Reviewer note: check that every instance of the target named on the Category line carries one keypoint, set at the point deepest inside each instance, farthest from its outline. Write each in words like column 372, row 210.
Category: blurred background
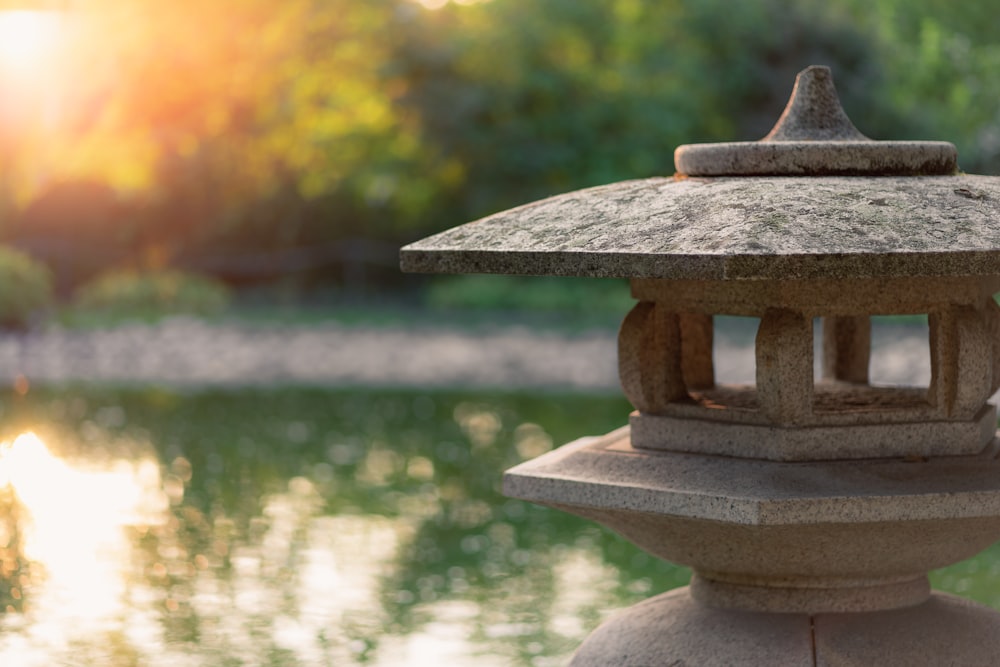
column 235, row 433
column 292, row 147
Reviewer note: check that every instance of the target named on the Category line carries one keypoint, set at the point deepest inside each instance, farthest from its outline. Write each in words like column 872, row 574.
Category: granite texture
column 649, row 358
column 787, row 414
column 813, row 443
column 780, row 228
column 672, row 630
column 847, row 348
column 815, row 137
column 608, row 473
column 944, row 631
column 961, row 361
column 784, row 353
column 817, row 158
column 813, row 112
column 890, row 593
column 850, row 297
column 857, row 528
column 697, row 364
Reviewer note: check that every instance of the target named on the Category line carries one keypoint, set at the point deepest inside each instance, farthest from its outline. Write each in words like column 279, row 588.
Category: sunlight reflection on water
column 71, row 543
column 69, row 523
column 306, row 528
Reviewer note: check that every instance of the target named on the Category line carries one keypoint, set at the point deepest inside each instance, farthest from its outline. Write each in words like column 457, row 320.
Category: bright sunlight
column 28, row 40
column 71, row 522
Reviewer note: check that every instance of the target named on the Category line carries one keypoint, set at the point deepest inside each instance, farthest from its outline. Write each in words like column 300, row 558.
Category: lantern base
column 675, row 629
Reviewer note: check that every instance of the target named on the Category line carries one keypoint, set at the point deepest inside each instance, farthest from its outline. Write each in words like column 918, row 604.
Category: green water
column 309, row 527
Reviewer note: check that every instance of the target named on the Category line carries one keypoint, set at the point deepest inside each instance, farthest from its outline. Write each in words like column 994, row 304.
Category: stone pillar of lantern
column 809, row 510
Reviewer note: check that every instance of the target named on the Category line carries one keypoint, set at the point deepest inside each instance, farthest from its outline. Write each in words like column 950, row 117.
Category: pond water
column 307, row 527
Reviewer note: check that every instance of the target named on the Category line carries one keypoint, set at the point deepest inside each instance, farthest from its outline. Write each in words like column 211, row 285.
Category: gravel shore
column 190, row 353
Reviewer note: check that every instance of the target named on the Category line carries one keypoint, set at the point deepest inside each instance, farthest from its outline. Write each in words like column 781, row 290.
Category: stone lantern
column 809, row 509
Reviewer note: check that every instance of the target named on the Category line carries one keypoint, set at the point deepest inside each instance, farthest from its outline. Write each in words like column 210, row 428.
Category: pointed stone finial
column 813, row 112
column 814, row 137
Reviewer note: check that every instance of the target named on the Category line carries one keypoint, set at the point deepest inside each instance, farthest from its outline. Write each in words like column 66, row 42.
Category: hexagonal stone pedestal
column 672, row 630
column 791, row 559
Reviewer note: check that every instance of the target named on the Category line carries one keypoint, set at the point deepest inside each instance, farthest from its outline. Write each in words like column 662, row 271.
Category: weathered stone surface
column 817, row 297
column 785, row 367
column 945, row 630
column 815, row 158
column 782, row 228
column 769, row 596
column 787, row 415
column 815, row 137
column 892, row 439
column 859, row 531
column 649, row 358
column 961, row 361
column 607, row 472
column 671, row 630
column 813, row 112
column 697, row 366
column 992, row 315
column 834, row 404
column 847, row 348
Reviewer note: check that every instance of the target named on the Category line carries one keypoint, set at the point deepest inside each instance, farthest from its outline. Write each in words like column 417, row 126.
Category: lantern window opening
column 733, row 349
column 859, row 364
column 718, row 361
column 862, row 363
column 897, row 341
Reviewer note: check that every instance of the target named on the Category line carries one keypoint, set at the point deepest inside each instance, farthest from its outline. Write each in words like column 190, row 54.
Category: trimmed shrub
column 151, row 295
column 25, row 288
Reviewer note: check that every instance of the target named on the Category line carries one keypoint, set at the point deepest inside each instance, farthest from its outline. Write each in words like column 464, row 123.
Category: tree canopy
column 256, row 124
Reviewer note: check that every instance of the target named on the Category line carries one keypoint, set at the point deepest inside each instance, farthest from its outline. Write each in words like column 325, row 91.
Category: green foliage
column 151, row 295
column 25, row 288
column 533, row 99
column 306, row 122
column 942, row 61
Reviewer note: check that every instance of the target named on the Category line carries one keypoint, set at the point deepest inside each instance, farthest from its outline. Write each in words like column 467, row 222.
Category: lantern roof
column 814, row 199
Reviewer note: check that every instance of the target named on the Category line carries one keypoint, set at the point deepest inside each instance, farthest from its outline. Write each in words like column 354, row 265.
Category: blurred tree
column 533, row 98
column 745, row 56
column 941, row 61
column 256, row 126
column 76, row 227
column 223, row 118
column 238, row 104
column 527, row 99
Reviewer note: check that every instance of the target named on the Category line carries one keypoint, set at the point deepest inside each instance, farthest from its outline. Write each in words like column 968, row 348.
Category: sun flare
column 28, row 39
